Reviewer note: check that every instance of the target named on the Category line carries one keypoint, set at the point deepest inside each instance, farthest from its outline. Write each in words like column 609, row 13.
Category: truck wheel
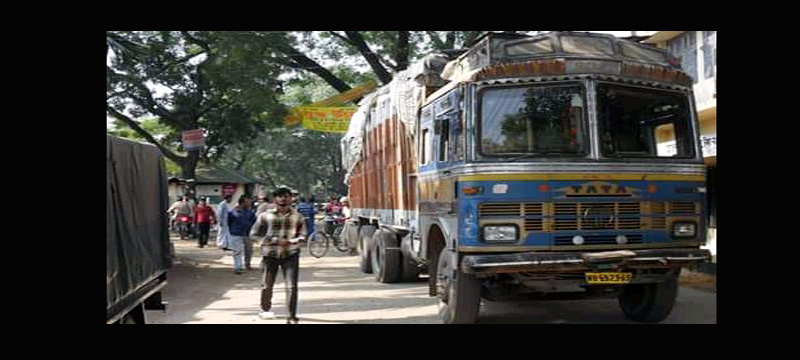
column 649, row 302
column 409, row 269
column 458, row 293
column 365, row 248
column 385, row 257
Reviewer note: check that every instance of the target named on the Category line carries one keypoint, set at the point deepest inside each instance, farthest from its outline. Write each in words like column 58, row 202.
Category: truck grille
column 597, row 216
column 576, row 216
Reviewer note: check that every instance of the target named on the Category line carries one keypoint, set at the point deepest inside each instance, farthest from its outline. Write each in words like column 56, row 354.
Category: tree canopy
column 237, row 85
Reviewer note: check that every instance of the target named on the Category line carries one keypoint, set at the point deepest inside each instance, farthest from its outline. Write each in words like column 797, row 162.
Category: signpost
column 193, row 139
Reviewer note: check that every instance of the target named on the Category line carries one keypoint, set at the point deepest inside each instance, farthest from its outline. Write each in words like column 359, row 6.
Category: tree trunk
column 301, row 61
column 384, row 76
column 401, row 50
column 188, row 168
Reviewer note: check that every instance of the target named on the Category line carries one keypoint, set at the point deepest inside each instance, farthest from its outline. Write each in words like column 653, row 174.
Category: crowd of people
column 279, row 224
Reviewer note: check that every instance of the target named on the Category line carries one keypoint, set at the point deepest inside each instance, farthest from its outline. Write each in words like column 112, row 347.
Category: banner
column 296, row 117
column 326, row 119
column 193, row 139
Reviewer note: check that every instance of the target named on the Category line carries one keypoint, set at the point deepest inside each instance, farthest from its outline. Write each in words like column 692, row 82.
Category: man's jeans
column 236, row 244
column 290, row 267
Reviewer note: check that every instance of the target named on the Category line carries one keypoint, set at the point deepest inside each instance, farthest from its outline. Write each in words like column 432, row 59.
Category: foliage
column 238, row 85
column 218, row 81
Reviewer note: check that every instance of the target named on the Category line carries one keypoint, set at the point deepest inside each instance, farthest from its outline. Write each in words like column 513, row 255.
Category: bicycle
column 320, row 241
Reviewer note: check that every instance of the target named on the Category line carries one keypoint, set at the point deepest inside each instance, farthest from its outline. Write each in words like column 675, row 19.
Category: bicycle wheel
column 318, row 246
column 338, row 241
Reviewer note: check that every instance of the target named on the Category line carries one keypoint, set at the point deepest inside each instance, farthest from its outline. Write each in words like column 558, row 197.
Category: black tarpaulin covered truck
column 137, row 233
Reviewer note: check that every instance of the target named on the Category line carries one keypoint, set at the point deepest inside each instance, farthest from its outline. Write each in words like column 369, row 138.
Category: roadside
column 701, row 276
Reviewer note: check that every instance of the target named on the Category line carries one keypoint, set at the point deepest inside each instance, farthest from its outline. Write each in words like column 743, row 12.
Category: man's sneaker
column 292, row 320
column 237, row 271
column 266, row 315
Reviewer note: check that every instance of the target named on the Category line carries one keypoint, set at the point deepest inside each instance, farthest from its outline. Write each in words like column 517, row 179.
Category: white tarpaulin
column 406, row 91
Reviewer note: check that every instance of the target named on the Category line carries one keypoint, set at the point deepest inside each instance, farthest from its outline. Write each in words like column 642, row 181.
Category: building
column 213, row 182
column 697, row 52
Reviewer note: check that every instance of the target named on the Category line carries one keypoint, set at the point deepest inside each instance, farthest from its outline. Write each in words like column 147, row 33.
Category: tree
column 305, row 160
column 217, row 81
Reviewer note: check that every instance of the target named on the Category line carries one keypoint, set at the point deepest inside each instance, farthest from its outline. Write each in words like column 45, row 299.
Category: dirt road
column 202, row 289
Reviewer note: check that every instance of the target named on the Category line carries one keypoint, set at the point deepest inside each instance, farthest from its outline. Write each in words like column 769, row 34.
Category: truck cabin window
column 537, row 120
column 645, row 123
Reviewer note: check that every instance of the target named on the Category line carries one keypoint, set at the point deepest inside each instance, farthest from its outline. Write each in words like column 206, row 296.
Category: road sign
column 193, row 139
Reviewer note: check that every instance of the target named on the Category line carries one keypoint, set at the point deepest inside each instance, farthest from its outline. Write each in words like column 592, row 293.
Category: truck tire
column 365, row 248
column 386, row 257
column 458, row 293
column 410, row 270
column 649, row 302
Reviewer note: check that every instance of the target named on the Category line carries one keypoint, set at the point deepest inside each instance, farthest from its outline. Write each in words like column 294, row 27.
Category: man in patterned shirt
column 281, row 230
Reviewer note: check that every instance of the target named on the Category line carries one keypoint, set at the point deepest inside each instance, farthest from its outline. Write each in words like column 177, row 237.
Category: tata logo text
column 598, row 188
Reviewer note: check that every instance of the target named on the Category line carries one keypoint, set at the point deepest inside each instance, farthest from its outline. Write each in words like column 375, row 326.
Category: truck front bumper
column 548, row 262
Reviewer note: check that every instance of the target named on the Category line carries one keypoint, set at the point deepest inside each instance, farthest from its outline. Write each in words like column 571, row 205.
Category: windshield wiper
column 540, row 153
column 525, row 156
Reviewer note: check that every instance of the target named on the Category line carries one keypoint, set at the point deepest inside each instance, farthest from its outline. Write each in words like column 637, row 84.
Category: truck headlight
column 684, row 229
column 500, row 233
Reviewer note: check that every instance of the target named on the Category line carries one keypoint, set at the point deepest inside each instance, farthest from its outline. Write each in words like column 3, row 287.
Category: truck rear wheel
column 649, row 302
column 458, row 293
column 385, row 257
column 365, row 248
column 410, row 270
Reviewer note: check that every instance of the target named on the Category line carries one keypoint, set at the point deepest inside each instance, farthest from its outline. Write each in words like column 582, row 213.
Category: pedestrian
column 240, row 219
column 281, row 230
column 307, row 210
column 264, row 203
column 347, row 213
column 203, row 219
column 223, row 234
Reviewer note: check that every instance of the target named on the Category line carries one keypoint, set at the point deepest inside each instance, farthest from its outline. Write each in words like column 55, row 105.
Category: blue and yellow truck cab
column 563, row 163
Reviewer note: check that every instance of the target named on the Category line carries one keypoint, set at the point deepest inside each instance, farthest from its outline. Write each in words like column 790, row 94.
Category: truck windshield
column 643, row 123
column 533, row 120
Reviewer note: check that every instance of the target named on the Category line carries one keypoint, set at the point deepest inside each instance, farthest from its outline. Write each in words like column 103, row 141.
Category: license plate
column 609, row 278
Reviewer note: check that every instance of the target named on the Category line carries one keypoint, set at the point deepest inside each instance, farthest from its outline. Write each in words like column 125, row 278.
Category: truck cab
column 565, row 163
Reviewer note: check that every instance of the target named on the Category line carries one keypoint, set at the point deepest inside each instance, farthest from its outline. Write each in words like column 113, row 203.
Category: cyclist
column 334, row 208
column 180, row 207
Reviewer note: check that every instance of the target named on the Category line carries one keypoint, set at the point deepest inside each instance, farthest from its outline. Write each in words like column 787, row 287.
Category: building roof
column 215, row 174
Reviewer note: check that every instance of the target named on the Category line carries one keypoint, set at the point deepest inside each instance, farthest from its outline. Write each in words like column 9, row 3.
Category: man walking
column 204, row 217
column 307, row 210
column 281, row 230
column 240, row 219
column 223, row 235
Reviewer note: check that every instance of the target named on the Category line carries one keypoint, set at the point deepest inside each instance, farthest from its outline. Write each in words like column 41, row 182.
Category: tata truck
column 554, row 166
